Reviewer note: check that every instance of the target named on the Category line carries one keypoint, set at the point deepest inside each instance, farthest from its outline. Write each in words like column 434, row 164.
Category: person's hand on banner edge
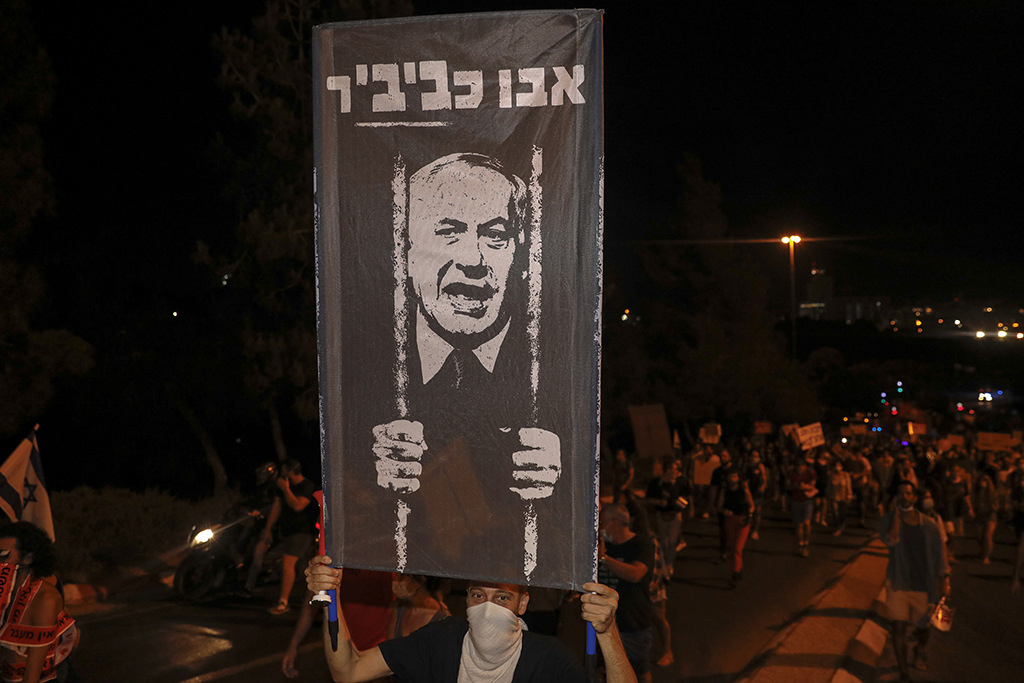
column 599, row 604
column 398, row 447
column 538, row 466
column 321, row 576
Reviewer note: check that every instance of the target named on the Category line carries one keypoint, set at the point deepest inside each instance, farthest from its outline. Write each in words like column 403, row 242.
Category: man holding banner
column 489, row 645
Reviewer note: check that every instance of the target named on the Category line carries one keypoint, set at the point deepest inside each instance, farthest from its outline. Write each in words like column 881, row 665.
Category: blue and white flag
column 23, row 495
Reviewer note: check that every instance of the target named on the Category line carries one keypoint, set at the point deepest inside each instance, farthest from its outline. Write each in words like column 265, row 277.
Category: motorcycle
column 219, row 555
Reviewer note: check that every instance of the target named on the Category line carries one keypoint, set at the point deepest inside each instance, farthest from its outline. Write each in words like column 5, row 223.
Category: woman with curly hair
column 36, row 635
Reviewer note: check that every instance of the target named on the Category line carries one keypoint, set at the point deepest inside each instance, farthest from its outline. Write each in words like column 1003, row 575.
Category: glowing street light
column 792, row 241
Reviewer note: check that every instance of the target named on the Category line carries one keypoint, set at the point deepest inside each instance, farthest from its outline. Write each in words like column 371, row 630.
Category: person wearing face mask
column 489, row 646
column 625, row 562
column 916, row 577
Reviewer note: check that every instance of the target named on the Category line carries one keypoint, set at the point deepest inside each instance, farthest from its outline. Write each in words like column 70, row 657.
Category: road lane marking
column 239, row 668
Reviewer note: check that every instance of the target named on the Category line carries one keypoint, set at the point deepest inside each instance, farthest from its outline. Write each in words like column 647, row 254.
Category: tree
column 30, row 359
column 703, row 342
column 269, row 268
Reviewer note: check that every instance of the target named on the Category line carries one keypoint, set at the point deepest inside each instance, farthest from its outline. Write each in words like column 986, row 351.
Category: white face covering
column 491, row 649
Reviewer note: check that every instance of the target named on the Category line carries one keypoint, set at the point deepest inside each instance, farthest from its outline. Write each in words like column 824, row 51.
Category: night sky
column 895, row 123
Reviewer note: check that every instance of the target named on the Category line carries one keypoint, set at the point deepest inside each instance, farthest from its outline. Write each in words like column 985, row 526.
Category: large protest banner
column 458, row 184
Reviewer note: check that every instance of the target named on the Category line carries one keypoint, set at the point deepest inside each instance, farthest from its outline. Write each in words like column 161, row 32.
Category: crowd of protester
column 830, row 488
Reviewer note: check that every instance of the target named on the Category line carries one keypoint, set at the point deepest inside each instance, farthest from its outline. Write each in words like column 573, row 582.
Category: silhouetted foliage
column 30, row 359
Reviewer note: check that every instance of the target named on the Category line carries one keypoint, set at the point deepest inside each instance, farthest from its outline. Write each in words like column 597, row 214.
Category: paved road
column 986, row 643
column 716, row 631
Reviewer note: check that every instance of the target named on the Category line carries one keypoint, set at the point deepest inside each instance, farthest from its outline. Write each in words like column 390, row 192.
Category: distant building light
column 1002, row 333
column 883, row 394
column 956, row 322
column 919, row 323
column 927, row 310
column 899, row 384
column 980, row 334
column 175, row 314
column 940, row 321
column 988, row 310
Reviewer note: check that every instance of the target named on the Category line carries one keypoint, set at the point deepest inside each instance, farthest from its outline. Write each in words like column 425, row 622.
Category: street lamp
column 792, row 241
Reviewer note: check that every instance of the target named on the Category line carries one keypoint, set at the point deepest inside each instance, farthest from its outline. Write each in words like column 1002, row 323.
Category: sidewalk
column 839, row 637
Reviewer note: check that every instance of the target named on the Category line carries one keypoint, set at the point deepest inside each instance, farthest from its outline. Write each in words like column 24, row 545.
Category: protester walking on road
column 840, row 494
column 916, row 578
column 801, row 492
column 757, row 481
column 985, row 503
column 666, row 498
column 625, row 562
column 737, row 506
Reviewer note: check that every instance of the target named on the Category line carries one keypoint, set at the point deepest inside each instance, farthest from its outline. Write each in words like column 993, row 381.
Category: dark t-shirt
column 635, row 612
column 304, row 521
column 663, row 495
column 802, row 475
column 432, row 653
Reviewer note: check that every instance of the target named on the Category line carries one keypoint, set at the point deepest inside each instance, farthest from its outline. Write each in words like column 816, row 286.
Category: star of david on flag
column 23, row 495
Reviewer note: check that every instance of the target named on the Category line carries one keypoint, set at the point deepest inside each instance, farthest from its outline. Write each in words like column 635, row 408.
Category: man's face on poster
column 462, row 244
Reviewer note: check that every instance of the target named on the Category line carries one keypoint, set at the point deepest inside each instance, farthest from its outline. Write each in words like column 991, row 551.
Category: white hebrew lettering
column 521, row 87
column 475, row 81
column 343, row 84
column 505, row 88
column 394, row 98
column 441, row 98
column 537, row 97
column 568, row 85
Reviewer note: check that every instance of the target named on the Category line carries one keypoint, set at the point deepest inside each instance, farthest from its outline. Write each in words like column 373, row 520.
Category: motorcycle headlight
column 203, row 536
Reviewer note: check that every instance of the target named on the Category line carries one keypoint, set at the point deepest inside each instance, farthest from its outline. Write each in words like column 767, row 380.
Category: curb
column 157, row 573
column 839, row 636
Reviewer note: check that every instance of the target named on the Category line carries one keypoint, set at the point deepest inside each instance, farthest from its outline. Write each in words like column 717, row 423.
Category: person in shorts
column 916, row 577
column 296, row 512
column 802, row 491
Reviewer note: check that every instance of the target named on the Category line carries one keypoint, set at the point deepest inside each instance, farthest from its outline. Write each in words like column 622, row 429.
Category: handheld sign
column 458, row 185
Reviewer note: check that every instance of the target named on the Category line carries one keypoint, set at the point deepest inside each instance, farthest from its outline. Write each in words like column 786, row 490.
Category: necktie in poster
column 458, row 188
